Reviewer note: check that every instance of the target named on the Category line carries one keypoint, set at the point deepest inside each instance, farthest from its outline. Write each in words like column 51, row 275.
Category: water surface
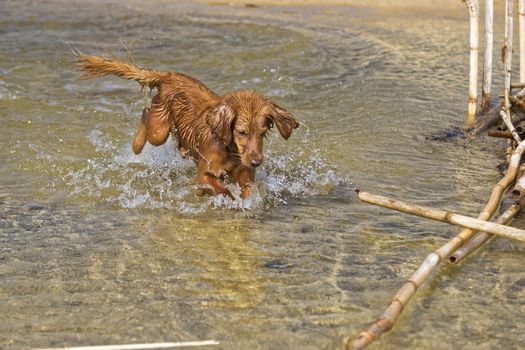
column 100, row 246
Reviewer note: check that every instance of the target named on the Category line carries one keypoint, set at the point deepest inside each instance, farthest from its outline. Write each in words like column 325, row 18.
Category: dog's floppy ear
column 220, row 120
column 284, row 120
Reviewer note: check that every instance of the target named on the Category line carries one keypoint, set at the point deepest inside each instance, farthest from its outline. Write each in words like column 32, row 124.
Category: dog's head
column 242, row 119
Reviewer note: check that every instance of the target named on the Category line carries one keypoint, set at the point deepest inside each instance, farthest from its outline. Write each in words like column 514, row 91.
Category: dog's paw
column 204, row 191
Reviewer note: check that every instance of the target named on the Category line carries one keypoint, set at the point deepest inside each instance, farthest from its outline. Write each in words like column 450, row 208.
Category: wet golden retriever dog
column 222, row 134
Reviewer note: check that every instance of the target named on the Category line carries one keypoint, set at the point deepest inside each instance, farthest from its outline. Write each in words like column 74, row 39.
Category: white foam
column 160, row 178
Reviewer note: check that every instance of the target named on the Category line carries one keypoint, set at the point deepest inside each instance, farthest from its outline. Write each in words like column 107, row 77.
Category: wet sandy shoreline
column 429, row 4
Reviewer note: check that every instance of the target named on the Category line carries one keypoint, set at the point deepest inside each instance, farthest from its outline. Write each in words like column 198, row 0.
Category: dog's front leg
column 245, row 177
column 210, row 174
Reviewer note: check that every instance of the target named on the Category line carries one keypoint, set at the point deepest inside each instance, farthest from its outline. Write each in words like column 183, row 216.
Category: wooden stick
column 487, row 63
column 399, row 301
column 487, row 120
column 516, row 119
column 505, row 134
column 482, row 237
column 139, row 346
column 500, row 134
column 521, row 93
column 521, row 21
column 473, row 7
column 517, row 102
column 517, row 85
column 510, row 126
column 492, row 117
column 444, row 216
column 509, row 150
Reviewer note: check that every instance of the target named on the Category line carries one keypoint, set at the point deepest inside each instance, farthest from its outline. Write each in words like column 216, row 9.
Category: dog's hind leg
column 140, row 138
column 154, row 127
column 157, row 122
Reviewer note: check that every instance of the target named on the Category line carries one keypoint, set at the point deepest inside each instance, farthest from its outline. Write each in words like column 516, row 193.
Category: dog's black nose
column 256, row 162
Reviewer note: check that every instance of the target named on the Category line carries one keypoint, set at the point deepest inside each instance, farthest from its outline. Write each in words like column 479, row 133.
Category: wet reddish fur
column 223, row 135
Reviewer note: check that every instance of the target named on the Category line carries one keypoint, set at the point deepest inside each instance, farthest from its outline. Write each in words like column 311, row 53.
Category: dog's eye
column 243, row 133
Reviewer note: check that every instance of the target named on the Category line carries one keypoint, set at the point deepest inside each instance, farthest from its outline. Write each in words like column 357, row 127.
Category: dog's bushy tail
column 96, row 66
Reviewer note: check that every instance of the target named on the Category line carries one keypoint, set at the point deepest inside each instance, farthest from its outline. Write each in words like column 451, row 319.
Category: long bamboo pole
column 507, row 55
column 482, row 237
column 406, row 292
column 140, row 346
column 507, row 60
column 487, row 63
column 521, row 21
column 473, row 8
column 444, row 216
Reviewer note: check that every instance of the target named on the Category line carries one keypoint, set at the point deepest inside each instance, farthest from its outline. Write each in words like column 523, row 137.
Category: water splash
column 159, row 178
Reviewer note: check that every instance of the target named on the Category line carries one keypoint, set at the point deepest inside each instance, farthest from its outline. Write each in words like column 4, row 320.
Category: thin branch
column 444, row 216
column 510, row 126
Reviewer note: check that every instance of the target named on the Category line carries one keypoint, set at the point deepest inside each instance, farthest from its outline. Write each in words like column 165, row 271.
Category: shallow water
column 99, row 246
